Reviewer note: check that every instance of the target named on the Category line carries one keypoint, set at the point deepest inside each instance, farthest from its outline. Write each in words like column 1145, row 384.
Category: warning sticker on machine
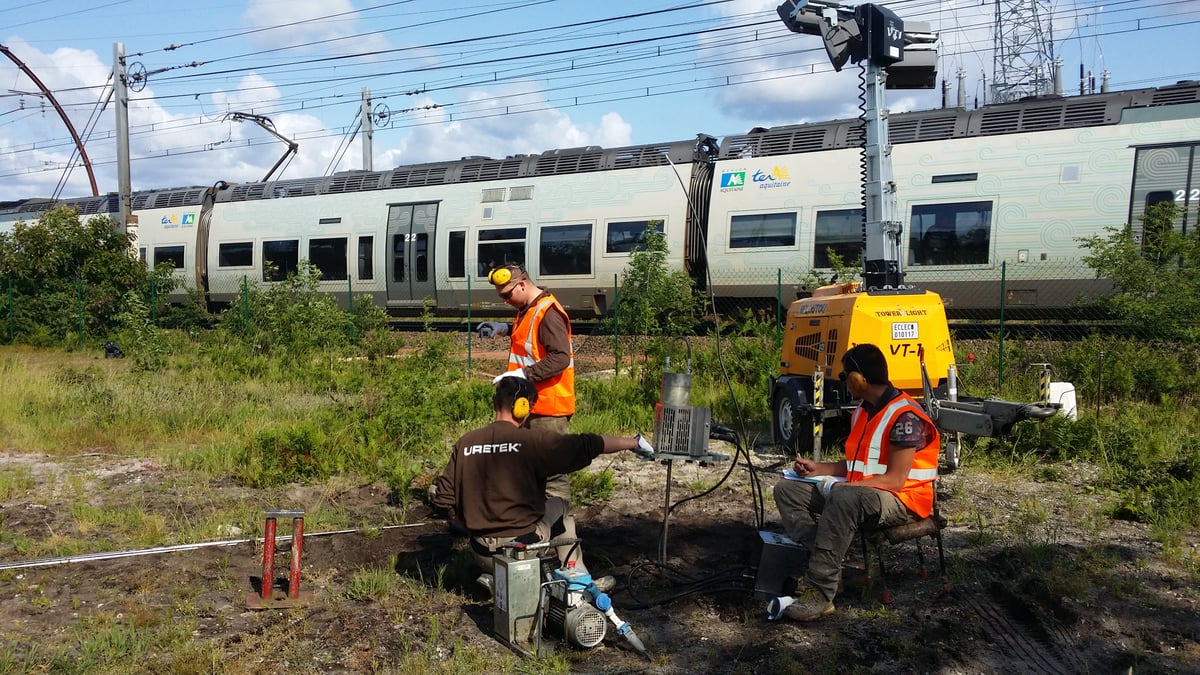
column 904, row 331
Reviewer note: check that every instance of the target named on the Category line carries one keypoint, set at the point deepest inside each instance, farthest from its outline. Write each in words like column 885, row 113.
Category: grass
column 215, row 415
column 15, row 481
column 372, row 584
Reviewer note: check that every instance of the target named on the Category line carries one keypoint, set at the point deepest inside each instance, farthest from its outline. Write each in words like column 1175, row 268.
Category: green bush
column 139, row 339
column 654, row 300
column 69, row 276
column 1156, row 272
column 293, row 454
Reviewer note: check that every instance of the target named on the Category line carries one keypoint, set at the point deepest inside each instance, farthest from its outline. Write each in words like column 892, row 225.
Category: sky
column 476, row 77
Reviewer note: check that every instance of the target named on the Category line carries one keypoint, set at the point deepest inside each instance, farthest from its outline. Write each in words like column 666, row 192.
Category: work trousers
column 547, row 528
column 826, row 526
column 560, row 486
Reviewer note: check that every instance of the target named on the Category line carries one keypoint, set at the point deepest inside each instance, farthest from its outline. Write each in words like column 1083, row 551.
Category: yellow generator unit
column 819, row 329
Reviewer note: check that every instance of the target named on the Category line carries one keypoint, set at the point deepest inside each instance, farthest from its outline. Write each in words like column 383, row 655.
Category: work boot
column 605, row 583
column 485, row 581
column 809, row 605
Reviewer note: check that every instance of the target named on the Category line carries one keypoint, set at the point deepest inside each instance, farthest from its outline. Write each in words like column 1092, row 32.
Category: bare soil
column 1035, row 585
column 1039, row 579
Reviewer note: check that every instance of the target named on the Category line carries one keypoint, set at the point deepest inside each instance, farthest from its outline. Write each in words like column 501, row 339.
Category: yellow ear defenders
column 502, row 275
column 521, row 405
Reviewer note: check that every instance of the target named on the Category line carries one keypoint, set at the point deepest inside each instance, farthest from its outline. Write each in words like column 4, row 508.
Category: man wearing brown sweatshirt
column 494, row 485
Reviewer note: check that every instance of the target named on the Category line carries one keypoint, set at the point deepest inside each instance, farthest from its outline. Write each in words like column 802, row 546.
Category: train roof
column 108, row 204
column 472, row 169
column 1035, row 114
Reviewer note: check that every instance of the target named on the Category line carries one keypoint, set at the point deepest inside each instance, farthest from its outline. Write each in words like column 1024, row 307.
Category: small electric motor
column 570, row 612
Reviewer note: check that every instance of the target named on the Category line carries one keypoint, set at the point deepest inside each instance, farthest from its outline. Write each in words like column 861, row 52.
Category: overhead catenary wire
column 567, row 102
column 323, row 81
column 403, row 126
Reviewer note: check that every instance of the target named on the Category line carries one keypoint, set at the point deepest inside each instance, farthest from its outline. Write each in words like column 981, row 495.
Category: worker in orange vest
column 540, row 351
column 885, row 480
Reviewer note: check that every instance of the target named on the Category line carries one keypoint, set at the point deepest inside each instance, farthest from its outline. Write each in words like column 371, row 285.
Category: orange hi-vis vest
column 556, row 395
column 867, row 453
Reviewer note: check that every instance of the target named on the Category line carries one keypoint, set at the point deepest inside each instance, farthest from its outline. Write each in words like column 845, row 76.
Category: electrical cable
column 731, row 580
column 193, row 95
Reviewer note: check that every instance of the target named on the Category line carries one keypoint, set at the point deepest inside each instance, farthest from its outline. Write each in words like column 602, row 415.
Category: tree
column 654, row 300
column 1157, row 276
column 59, row 263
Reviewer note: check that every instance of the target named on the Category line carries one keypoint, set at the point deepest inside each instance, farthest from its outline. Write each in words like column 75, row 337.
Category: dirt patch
column 1038, row 582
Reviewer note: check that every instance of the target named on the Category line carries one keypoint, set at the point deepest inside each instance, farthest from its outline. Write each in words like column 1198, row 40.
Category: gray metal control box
column 517, row 583
column 778, row 559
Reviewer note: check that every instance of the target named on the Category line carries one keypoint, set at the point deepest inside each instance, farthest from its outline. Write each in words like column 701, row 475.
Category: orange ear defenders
column 855, row 380
column 502, row 275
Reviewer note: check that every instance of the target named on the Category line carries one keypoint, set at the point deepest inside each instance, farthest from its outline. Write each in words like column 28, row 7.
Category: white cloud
column 814, row 92
column 487, row 129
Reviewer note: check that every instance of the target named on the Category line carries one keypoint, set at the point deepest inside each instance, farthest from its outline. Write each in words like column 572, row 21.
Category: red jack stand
column 268, row 596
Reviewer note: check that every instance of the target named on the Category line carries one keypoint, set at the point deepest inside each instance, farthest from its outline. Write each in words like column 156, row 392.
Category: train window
column 329, row 256
column 840, row 231
column 236, row 254
column 280, row 259
column 422, row 256
column 950, row 234
column 456, row 265
column 366, row 257
column 630, row 236
column 398, row 270
column 142, row 254
column 500, row 247
column 1161, row 174
column 171, row 255
column 566, row 249
column 762, row 230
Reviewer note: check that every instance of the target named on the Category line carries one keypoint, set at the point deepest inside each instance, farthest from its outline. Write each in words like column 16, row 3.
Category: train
column 995, row 200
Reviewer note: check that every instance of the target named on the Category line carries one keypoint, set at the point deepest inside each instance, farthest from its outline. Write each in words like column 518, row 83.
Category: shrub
column 65, row 273
column 1155, row 272
column 654, row 300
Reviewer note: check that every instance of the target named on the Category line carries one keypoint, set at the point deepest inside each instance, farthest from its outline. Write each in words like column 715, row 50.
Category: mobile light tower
column 908, row 324
column 893, row 58
column 881, row 310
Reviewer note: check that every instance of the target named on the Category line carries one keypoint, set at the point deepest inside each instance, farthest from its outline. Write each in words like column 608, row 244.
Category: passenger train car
column 1004, row 189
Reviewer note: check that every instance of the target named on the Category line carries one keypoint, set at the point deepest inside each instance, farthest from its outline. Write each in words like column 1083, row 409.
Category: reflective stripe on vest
column 556, row 395
column 866, row 441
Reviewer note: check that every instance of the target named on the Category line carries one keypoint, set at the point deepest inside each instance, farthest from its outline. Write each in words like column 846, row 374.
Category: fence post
column 469, row 331
column 245, row 305
column 12, row 308
column 350, row 295
column 778, row 309
column 616, row 327
column 1003, row 293
column 79, row 304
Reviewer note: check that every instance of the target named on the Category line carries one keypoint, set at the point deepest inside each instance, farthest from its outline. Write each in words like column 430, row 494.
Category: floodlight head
column 792, row 13
column 918, row 70
column 843, row 41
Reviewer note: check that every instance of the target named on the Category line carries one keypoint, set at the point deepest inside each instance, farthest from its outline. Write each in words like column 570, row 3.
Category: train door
column 410, row 277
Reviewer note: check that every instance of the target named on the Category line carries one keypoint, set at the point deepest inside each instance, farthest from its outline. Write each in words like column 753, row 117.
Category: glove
column 644, row 449
column 489, row 328
column 827, row 483
column 519, row 372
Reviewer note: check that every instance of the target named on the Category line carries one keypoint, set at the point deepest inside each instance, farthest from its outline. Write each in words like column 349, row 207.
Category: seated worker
column 891, row 463
column 494, row 486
